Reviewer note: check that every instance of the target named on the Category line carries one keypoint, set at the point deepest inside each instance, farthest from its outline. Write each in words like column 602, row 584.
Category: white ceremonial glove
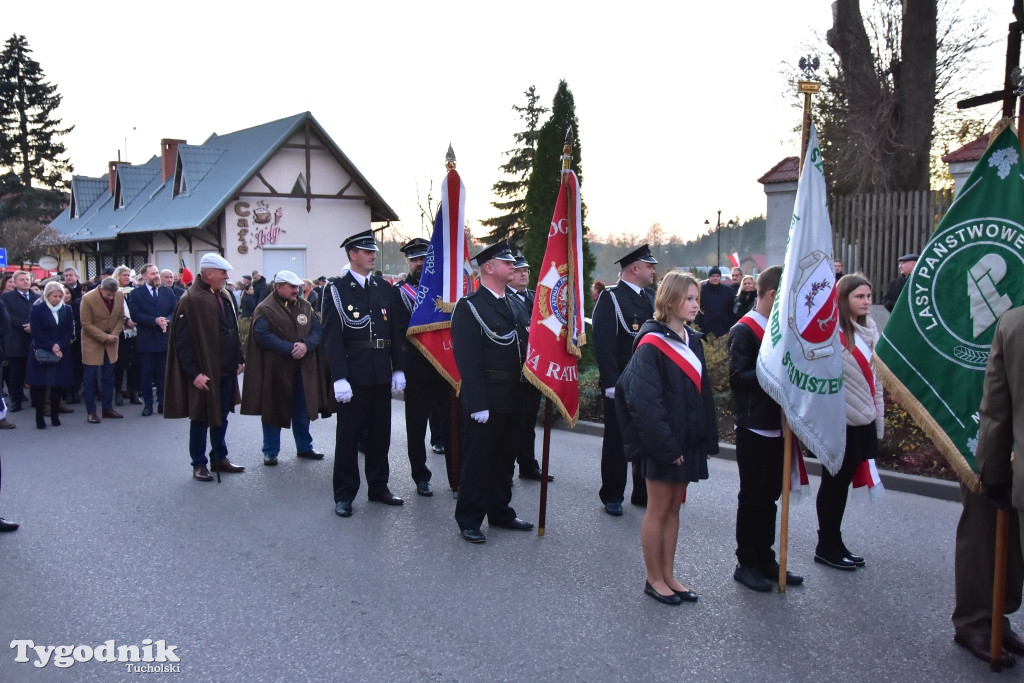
column 342, row 391
column 481, row 417
column 610, row 393
column 398, row 381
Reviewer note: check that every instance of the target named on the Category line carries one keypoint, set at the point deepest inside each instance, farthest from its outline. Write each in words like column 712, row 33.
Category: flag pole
column 542, row 516
column 995, row 654
column 454, row 431
column 806, row 88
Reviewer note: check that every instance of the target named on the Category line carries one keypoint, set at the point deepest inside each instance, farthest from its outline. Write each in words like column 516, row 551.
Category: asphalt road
column 256, row 579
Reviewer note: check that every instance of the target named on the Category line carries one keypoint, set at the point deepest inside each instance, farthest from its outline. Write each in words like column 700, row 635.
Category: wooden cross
column 1012, row 75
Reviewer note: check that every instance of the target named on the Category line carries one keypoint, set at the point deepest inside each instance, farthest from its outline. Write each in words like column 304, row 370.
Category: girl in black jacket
column 666, row 411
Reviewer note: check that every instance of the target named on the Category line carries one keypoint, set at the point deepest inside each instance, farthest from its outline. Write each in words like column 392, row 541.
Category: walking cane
column 995, row 655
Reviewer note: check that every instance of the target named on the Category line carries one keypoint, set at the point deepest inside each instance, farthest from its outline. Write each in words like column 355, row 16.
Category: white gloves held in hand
column 342, row 391
column 481, row 416
column 609, row 393
column 398, row 381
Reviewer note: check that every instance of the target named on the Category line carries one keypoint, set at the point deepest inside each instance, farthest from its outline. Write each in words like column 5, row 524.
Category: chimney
column 112, row 174
column 169, row 156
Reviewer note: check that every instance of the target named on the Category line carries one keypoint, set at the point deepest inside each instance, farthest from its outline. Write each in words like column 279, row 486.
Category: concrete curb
column 893, row 481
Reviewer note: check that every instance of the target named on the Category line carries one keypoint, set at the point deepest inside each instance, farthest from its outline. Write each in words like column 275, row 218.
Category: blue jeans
column 197, row 430
column 107, row 389
column 300, row 424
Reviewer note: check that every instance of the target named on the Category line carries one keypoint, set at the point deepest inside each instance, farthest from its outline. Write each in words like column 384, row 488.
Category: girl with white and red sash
column 666, row 412
column 864, row 419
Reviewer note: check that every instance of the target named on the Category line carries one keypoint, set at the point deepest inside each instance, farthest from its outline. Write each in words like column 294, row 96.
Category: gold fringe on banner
column 411, row 335
column 927, row 423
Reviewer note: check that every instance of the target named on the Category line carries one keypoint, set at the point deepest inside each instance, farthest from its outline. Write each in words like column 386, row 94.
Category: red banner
column 556, row 326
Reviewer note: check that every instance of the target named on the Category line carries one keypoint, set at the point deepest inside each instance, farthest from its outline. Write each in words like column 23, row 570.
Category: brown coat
column 270, row 376
column 1002, row 419
column 199, row 310
column 97, row 323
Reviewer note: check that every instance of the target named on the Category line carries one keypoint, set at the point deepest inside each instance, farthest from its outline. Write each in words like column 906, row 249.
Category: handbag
column 46, row 357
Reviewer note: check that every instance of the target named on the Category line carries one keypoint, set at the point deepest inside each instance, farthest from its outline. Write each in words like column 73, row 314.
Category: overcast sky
column 681, row 106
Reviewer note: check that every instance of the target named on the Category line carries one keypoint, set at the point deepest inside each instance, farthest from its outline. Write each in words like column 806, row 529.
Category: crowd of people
column 339, row 346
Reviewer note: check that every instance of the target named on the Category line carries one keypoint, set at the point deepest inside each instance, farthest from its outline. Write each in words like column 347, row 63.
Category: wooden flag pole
column 995, row 655
column 453, row 444
column 544, row 467
column 806, row 88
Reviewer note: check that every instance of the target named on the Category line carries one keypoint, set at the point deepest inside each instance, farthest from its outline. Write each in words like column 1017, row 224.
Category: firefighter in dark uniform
column 359, row 331
column 618, row 315
column 522, row 297
column 425, row 388
column 489, row 340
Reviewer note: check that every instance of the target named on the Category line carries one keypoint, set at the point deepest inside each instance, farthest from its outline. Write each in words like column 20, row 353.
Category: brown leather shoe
column 64, row 410
column 6, row 424
column 225, row 465
column 93, row 419
column 979, row 647
column 201, row 474
column 112, row 414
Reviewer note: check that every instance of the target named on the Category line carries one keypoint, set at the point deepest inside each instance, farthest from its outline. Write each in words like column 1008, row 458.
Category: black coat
column 5, row 325
column 45, row 333
column 661, row 412
column 753, row 408
column 347, row 337
column 417, row 367
column 491, row 369
column 18, row 340
column 715, row 317
column 613, row 338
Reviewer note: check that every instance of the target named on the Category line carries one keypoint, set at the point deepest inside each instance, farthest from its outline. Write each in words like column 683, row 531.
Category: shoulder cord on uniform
column 345, row 320
column 618, row 315
column 500, row 339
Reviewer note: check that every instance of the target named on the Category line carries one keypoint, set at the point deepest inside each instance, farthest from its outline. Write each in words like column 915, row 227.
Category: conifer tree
column 510, row 225
column 29, row 132
column 545, row 178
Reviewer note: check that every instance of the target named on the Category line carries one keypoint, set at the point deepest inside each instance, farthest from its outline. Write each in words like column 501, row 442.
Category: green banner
column 934, row 348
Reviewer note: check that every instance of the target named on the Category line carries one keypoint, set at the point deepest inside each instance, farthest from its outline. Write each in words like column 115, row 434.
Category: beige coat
column 97, row 323
column 863, row 408
column 1002, row 416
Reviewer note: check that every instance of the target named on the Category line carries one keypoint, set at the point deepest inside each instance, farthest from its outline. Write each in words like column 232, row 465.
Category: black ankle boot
column 830, row 554
column 55, row 418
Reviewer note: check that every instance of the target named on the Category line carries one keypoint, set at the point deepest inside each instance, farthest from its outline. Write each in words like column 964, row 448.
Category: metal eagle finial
column 449, row 158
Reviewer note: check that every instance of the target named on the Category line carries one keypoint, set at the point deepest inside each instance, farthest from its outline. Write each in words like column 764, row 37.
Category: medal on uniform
column 350, row 307
column 384, row 312
column 356, row 314
column 635, row 327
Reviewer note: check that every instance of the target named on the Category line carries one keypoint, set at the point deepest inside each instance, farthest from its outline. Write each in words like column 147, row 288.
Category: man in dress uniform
column 489, row 340
column 204, row 359
column 286, row 375
column 522, row 297
column 425, row 388
column 361, row 338
column 620, row 311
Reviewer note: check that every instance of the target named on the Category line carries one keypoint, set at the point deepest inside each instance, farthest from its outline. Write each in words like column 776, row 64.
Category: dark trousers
column 106, row 372
column 151, row 372
column 38, row 396
column 614, row 465
column 487, row 463
column 422, row 398
column 831, row 503
column 126, row 371
column 71, row 393
column 218, row 435
column 527, row 456
column 16, row 380
column 974, row 566
column 759, row 459
column 369, row 411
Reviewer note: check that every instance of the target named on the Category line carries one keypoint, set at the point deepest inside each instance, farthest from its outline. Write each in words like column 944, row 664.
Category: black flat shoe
column 673, row 599
column 343, row 508
column 387, row 498
column 686, row 596
column 841, row 563
column 516, row 525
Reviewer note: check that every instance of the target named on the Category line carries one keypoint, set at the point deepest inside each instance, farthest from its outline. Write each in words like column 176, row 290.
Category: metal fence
column 871, row 231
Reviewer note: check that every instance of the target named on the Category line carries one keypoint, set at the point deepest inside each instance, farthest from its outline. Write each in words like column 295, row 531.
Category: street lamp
column 718, row 235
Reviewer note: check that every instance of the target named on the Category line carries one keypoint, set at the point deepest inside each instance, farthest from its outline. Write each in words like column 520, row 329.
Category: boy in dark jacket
column 759, row 445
